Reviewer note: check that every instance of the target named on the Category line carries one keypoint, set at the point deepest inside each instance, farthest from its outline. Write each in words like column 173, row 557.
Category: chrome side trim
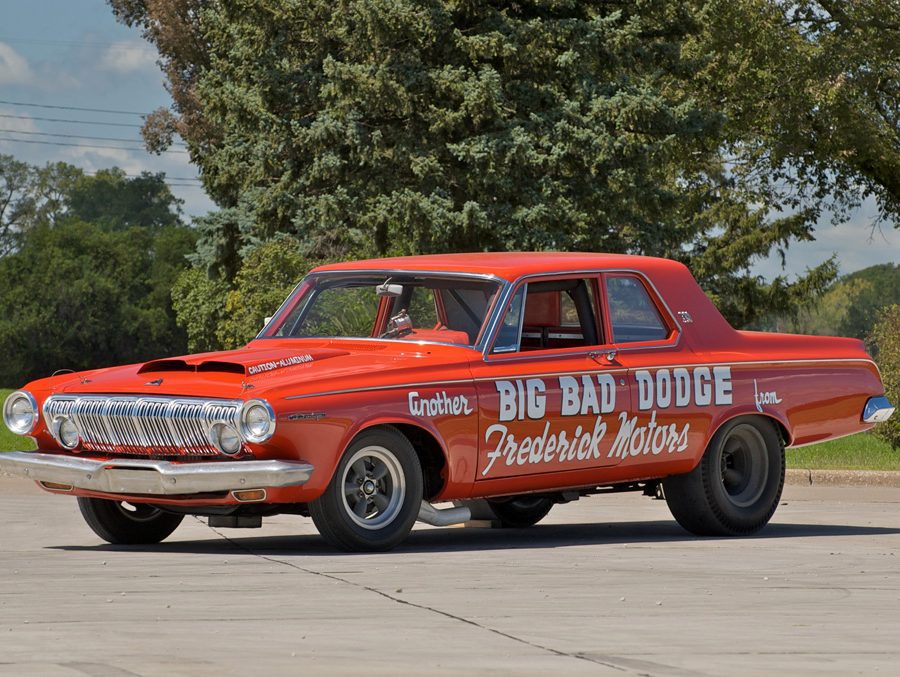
column 398, row 386
column 550, row 374
column 140, row 476
column 407, row 271
column 877, row 410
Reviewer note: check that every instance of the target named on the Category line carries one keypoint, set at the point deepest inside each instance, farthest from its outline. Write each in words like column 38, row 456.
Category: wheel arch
column 782, row 426
column 431, row 453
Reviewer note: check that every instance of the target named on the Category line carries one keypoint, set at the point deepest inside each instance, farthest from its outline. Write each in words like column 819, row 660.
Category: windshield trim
column 484, row 330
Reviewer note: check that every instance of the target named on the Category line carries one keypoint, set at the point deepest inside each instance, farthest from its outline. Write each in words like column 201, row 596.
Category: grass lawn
column 857, row 452
column 862, row 451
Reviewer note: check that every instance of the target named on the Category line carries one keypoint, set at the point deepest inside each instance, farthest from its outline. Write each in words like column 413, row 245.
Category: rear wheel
column 520, row 511
column 374, row 497
column 735, row 488
column 122, row 523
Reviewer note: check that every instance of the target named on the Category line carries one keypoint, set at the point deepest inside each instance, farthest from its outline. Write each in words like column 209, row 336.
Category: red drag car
column 381, row 387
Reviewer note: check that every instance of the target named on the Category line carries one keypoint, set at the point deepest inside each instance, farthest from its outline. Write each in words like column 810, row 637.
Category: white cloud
column 24, row 123
column 14, row 68
column 128, row 57
column 854, row 243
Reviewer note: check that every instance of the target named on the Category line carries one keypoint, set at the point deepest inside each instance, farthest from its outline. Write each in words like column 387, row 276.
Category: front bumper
column 152, row 477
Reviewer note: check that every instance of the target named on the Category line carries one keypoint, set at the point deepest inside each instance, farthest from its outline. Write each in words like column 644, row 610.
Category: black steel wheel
column 520, row 511
column 122, row 523
column 735, row 488
column 374, row 497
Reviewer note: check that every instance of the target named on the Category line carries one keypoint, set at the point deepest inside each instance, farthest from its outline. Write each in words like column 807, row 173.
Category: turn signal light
column 250, row 495
column 55, row 486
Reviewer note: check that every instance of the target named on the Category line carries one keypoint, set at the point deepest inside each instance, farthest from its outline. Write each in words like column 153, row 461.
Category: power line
column 84, row 145
column 87, row 110
column 75, row 122
column 77, row 136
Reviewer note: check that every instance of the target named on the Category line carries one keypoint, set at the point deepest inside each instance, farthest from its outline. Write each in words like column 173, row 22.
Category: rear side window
column 632, row 313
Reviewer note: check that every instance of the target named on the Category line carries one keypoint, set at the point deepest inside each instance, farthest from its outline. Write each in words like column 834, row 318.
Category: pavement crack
column 423, row 607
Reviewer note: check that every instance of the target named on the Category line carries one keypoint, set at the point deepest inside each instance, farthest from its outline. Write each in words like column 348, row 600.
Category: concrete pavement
column 606, row 585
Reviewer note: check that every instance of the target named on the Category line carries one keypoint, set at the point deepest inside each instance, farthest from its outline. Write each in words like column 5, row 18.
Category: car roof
column 506, row 265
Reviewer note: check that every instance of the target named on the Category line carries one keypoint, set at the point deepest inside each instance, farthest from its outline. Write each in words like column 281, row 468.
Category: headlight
column 257, row 421
column 65, row 432
column 20, row 413
column 225, row 438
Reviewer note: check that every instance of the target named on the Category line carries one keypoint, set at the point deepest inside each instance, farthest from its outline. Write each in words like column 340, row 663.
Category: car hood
column 269, row 368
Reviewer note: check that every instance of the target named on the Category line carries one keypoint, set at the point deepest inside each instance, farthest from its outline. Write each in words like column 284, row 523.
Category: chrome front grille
column 121, row 424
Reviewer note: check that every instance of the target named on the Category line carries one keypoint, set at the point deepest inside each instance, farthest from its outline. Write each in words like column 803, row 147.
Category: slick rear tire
column 520, row 511
column 735, row 488
column 123, row 523
column 374, row 497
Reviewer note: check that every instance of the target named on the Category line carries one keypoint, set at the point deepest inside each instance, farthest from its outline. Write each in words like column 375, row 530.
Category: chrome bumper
column 148, row 476
column 877, row 410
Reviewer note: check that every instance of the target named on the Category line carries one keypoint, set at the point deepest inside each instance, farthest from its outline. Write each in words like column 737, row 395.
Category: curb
column 843, row 478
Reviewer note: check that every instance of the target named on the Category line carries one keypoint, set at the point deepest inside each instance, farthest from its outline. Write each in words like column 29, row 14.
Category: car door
column 546, row 392
column 670, row 394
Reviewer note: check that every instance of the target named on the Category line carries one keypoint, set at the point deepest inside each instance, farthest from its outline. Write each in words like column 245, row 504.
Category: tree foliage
column 886, row 338
column 80, row 294
column 371, row 127
column 215, row 316
column 32, row 196
column 809, row 92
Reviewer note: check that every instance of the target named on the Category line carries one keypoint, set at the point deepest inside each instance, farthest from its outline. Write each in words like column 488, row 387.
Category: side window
column 550, row 314
column 422, row 310
column 508, row 336
column 568, row 313
column 632, row 313
column 465, row 309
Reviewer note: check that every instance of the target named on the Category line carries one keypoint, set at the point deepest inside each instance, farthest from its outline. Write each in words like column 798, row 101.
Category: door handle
column 608, row 355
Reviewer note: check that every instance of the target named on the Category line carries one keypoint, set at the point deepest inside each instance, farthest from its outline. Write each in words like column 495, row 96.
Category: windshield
column 409, row 307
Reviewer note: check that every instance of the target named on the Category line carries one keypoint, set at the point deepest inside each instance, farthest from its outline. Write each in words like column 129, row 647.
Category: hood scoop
column 247, row 363
column 182, row 365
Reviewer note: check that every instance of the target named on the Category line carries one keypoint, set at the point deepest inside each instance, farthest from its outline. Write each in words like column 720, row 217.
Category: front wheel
column 374, row 497
column 735, row 488
column 122, row 523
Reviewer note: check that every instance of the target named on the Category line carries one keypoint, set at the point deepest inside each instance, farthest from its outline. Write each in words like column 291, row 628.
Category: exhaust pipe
column 445, row 517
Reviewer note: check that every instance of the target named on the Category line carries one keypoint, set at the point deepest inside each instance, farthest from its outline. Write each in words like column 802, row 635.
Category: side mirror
column 266, row 321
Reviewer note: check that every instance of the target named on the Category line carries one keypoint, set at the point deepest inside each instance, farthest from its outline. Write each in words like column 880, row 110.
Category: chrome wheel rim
column 373, row 487
column 744, row 466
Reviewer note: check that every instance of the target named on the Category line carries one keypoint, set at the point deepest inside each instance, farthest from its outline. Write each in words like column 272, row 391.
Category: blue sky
column 73, row 53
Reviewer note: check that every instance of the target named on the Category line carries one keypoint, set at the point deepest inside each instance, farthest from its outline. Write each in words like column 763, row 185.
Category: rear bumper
column 152, row 477
column 877, row 410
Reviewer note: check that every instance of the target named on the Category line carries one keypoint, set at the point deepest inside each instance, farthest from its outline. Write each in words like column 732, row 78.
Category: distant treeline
column 87, row 265
column 850, row 307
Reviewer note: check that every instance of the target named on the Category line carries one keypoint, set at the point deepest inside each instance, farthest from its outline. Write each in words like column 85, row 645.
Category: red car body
column 569, row 409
